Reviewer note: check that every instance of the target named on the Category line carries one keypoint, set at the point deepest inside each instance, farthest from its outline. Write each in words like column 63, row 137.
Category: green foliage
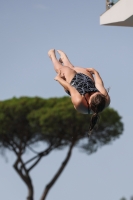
column 29, row 120
column 123, row 198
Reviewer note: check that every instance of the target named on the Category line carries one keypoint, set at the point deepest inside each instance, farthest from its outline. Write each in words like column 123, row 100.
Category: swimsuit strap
column 87, row 104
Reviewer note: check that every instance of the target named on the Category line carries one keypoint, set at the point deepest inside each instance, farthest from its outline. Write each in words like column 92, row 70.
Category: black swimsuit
column 83, row 84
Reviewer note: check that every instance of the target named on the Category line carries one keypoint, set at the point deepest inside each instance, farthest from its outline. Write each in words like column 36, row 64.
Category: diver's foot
column 51, row 53
column 64, row 59
column 60, row 60
column 63, row 56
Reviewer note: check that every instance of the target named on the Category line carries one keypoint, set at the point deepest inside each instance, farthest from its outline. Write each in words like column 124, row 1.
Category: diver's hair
column 93, row 122
column 97, row 105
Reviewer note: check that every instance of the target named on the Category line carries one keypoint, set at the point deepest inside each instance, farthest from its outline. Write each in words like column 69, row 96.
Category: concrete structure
column 118, row 13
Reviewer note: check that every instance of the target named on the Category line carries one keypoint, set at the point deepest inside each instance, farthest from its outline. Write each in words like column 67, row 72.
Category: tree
column 123, row 198
column 25, row 121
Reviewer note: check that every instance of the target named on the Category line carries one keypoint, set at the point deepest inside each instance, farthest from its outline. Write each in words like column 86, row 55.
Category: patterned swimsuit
column 83, row 84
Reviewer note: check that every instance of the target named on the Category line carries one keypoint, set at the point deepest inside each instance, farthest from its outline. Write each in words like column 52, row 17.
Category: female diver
column 88, row 94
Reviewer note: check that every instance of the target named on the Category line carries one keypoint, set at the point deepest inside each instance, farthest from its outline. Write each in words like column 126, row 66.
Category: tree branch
column 13, row 145
column 41, row 154
column 63, row 165
column 35, row 163
column 25, row 177
column 32, row 150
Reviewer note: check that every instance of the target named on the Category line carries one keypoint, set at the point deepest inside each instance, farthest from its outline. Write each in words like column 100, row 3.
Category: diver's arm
column 99, row 84
column 98, row 79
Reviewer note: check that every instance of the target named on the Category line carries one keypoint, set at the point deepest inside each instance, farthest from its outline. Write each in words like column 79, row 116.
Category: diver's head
column 97, row 102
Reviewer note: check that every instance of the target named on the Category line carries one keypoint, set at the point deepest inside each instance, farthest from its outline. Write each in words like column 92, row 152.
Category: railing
column 110, row 3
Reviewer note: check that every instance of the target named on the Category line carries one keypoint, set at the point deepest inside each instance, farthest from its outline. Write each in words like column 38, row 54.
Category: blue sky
column 28, row 29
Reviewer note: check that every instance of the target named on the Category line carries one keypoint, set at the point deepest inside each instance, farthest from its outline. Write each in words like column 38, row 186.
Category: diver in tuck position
column 88, row 94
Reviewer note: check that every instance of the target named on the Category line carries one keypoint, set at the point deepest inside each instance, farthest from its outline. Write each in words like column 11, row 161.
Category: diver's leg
column 66, row 72
column 56, row 63
column 64, row 59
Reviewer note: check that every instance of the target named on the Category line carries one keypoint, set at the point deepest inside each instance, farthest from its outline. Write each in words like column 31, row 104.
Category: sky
column 28, row 29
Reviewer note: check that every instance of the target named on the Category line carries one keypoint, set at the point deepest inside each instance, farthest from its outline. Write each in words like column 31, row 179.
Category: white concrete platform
column 120, row 14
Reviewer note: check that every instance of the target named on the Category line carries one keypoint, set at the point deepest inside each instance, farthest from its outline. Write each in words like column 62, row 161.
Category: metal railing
column 110, row 3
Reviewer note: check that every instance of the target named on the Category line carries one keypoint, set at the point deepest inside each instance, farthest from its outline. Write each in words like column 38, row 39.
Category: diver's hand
column 91, row 70
column 59, row 76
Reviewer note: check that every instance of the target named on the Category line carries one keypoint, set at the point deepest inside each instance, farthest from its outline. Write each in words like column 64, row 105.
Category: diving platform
column 118, row 13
